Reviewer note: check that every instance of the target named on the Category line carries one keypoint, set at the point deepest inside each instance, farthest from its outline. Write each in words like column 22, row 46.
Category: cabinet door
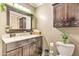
column 60, row 11
column 26, row 50
column 73, row 12
column 33, row 49
column 59, row 14
column 39, row 47
column 17, row 52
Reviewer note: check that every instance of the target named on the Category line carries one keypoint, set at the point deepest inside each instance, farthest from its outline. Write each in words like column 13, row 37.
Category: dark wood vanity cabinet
column 66, row 15
column 30, row 50
column 27, row 47
column 33, row 49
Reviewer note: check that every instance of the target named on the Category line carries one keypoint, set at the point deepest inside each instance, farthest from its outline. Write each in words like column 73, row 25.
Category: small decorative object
column 7, row 28
column 51, row 53
column 65, row 38
column 46, row 52
column 36, row 32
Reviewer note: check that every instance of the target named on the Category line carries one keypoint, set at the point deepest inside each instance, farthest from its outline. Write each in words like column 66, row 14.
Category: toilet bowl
column 65, row 49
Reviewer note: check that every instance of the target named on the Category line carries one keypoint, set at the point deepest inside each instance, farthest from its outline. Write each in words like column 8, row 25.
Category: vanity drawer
column 12, row 46
column 25, row 42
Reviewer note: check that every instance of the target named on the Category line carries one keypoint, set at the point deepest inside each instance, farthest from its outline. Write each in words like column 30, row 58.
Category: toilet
column 65, row 49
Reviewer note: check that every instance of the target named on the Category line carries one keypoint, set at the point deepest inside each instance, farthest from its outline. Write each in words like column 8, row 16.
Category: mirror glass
column 19, row 21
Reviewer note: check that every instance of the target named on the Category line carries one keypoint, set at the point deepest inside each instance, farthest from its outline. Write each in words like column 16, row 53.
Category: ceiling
column 36, row 4
column 39, row 4
column 33, row 4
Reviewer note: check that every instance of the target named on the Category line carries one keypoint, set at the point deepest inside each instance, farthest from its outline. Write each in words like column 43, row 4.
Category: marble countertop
column 19, row 38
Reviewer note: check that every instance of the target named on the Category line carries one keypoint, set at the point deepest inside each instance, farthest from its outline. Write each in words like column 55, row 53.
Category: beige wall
column 44, row 15
column 2, row 22
column 70, row 30
column 2, row 25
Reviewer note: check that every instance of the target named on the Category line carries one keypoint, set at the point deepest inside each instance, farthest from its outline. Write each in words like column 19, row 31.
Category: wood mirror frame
column 10, row 8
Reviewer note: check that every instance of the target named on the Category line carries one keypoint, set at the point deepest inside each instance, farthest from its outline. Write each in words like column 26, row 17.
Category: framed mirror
column 18, row 21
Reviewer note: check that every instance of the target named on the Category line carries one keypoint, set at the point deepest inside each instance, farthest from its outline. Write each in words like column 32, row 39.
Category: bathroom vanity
column 19, row 21
column 27, row 45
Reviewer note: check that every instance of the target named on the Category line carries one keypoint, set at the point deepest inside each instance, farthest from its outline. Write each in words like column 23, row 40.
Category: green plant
column 65, row 37
column 2, row 7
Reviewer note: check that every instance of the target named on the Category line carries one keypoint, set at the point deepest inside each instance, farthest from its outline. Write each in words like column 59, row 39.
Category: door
column 16, row 52
column 33, row 49
column 39, row 46
column 73, row 13
column 26, row 51
column 22, row 23
column 59, row 14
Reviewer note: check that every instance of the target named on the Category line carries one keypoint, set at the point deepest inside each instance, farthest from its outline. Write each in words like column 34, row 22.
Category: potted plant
column 2, row 7
column 64, row 47
column 65, row 38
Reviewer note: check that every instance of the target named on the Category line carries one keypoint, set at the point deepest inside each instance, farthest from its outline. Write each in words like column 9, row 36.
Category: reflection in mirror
column 22, row 22
column 19, row 21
